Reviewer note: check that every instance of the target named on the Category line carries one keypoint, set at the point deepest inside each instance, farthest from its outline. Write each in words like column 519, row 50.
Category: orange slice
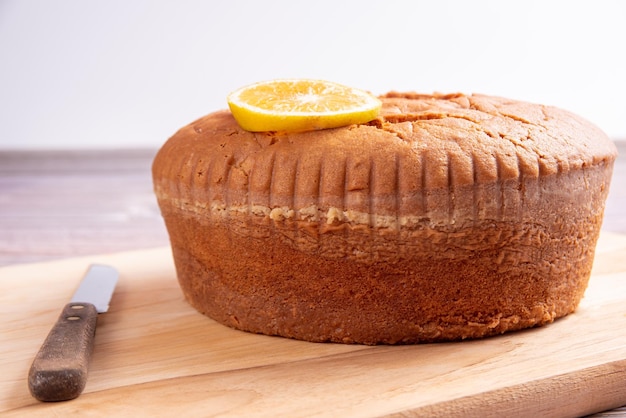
column 301, row 105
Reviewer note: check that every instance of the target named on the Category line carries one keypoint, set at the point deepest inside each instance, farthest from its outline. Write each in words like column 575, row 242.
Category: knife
column 59, row 370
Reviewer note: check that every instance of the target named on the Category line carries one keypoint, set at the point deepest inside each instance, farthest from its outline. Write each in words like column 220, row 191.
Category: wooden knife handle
column 59, row 370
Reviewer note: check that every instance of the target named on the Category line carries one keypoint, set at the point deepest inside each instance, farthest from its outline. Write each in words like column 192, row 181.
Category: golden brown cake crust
column 448, row 217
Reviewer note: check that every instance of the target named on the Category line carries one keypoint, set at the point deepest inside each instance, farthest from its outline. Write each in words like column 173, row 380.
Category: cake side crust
column 358, row 283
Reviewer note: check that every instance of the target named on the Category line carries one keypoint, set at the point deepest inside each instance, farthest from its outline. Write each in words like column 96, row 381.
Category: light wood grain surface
column 156, row 356
column 60, row 204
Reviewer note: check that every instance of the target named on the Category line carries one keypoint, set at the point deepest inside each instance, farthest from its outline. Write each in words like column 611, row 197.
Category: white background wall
column 128, row 73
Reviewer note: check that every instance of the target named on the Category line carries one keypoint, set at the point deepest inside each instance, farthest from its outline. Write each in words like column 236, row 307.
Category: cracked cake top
column 418, row 143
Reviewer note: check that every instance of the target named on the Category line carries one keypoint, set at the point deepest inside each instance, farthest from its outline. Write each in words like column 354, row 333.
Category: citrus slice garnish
column 301, row 105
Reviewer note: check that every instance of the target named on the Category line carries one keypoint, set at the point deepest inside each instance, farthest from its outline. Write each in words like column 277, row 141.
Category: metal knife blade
column 59, row 370
column 97, row 287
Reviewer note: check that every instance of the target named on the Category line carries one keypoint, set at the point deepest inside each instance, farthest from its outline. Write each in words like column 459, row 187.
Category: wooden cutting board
column 154, row 355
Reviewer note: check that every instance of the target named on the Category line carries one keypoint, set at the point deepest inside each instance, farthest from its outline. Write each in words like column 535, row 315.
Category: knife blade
column 59, row 370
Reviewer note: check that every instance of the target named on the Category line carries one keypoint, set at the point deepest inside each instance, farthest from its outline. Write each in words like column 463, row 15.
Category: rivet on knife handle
column 59, row 371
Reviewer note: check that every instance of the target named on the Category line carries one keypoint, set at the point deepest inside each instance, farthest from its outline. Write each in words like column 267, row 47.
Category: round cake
column 448, row 217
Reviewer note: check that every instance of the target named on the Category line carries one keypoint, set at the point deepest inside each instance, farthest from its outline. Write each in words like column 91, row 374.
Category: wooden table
column 61, row 204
